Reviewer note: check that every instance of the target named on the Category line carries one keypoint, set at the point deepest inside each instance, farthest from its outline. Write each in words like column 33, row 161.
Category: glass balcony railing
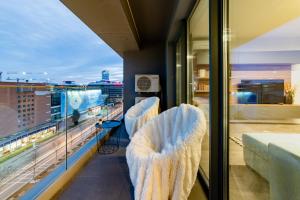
column 41, row 126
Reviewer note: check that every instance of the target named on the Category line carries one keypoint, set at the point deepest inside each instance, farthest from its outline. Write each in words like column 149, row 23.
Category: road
column 24, row 168
column 21, row 160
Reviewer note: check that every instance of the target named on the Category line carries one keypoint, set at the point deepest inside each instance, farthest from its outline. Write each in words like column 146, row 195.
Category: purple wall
column 261, row 67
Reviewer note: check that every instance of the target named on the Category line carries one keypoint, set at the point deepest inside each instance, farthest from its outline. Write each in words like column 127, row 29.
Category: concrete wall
column 149, row 60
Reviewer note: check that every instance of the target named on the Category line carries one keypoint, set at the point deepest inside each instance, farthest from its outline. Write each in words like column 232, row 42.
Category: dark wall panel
column 149, row 60
column 171, row 75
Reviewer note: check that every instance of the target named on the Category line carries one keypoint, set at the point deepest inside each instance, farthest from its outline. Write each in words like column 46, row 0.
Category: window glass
column 198, row 71
column 264, row 104
column 179, row 71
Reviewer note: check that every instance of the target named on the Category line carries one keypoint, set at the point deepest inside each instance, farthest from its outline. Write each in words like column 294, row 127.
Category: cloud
column 38, row 36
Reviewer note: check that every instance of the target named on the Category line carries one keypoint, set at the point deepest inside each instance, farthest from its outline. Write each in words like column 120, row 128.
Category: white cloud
column 43, row 35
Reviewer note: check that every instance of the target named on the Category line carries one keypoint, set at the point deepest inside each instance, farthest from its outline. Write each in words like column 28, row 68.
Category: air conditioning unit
column 147, row 83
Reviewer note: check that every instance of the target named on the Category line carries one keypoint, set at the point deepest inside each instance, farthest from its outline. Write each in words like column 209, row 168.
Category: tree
column 75, row 117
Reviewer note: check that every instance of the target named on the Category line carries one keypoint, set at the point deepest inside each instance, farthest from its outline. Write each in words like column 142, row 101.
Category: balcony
column 107, row 177
column 103, row 177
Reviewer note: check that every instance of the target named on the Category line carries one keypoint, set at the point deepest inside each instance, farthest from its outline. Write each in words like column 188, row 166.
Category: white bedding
column 164, row 155
column 140, row 113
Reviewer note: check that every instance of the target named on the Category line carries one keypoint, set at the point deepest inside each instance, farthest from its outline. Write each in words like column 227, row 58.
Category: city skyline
column 44, row 40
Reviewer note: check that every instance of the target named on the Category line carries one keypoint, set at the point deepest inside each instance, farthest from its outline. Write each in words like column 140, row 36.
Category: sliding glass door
column 198, row 86
column 243, row 71
column 264, row 103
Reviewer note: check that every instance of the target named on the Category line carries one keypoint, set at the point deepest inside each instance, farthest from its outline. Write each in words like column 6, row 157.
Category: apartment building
column 23, row 106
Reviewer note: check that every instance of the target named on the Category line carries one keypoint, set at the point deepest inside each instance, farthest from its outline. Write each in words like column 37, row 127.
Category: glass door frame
column 218, row 187
column 219, row 109
column 201, row 176
column 182, row 37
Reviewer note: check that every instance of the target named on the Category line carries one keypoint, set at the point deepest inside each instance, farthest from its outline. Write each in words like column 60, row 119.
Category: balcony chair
column 140, row 113
column 163, row 156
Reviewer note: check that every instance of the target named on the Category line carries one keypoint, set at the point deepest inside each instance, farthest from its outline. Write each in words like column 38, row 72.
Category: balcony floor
column 107, row 177
column 104, row 177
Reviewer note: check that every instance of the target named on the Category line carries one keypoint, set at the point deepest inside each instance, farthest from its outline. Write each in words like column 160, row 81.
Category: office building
column 56, row 105
column 113, row 90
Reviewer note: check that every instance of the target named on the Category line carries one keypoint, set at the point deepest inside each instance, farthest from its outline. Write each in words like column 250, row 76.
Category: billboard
column 81, row 100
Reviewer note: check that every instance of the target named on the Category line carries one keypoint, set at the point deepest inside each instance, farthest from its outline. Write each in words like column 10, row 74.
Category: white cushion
column 258, row 142
column 140, row 113
column 256, row 151
column 164, row 155
column 285, row 170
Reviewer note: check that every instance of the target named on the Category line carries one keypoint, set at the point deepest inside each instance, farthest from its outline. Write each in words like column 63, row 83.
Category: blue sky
column 47, row 41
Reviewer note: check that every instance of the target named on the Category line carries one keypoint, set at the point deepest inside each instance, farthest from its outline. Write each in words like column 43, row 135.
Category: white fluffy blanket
column 140, row 113
column 163, row 156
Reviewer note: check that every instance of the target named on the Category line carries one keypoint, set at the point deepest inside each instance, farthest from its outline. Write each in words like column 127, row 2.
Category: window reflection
column 198, row 72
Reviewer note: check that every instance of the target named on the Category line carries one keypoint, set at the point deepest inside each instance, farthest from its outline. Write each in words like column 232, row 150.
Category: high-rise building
column 105, row 75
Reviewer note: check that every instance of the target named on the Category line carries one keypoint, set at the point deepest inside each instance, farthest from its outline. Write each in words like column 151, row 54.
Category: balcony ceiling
column 153, row 18
column 125, row 25
column 110, row 20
